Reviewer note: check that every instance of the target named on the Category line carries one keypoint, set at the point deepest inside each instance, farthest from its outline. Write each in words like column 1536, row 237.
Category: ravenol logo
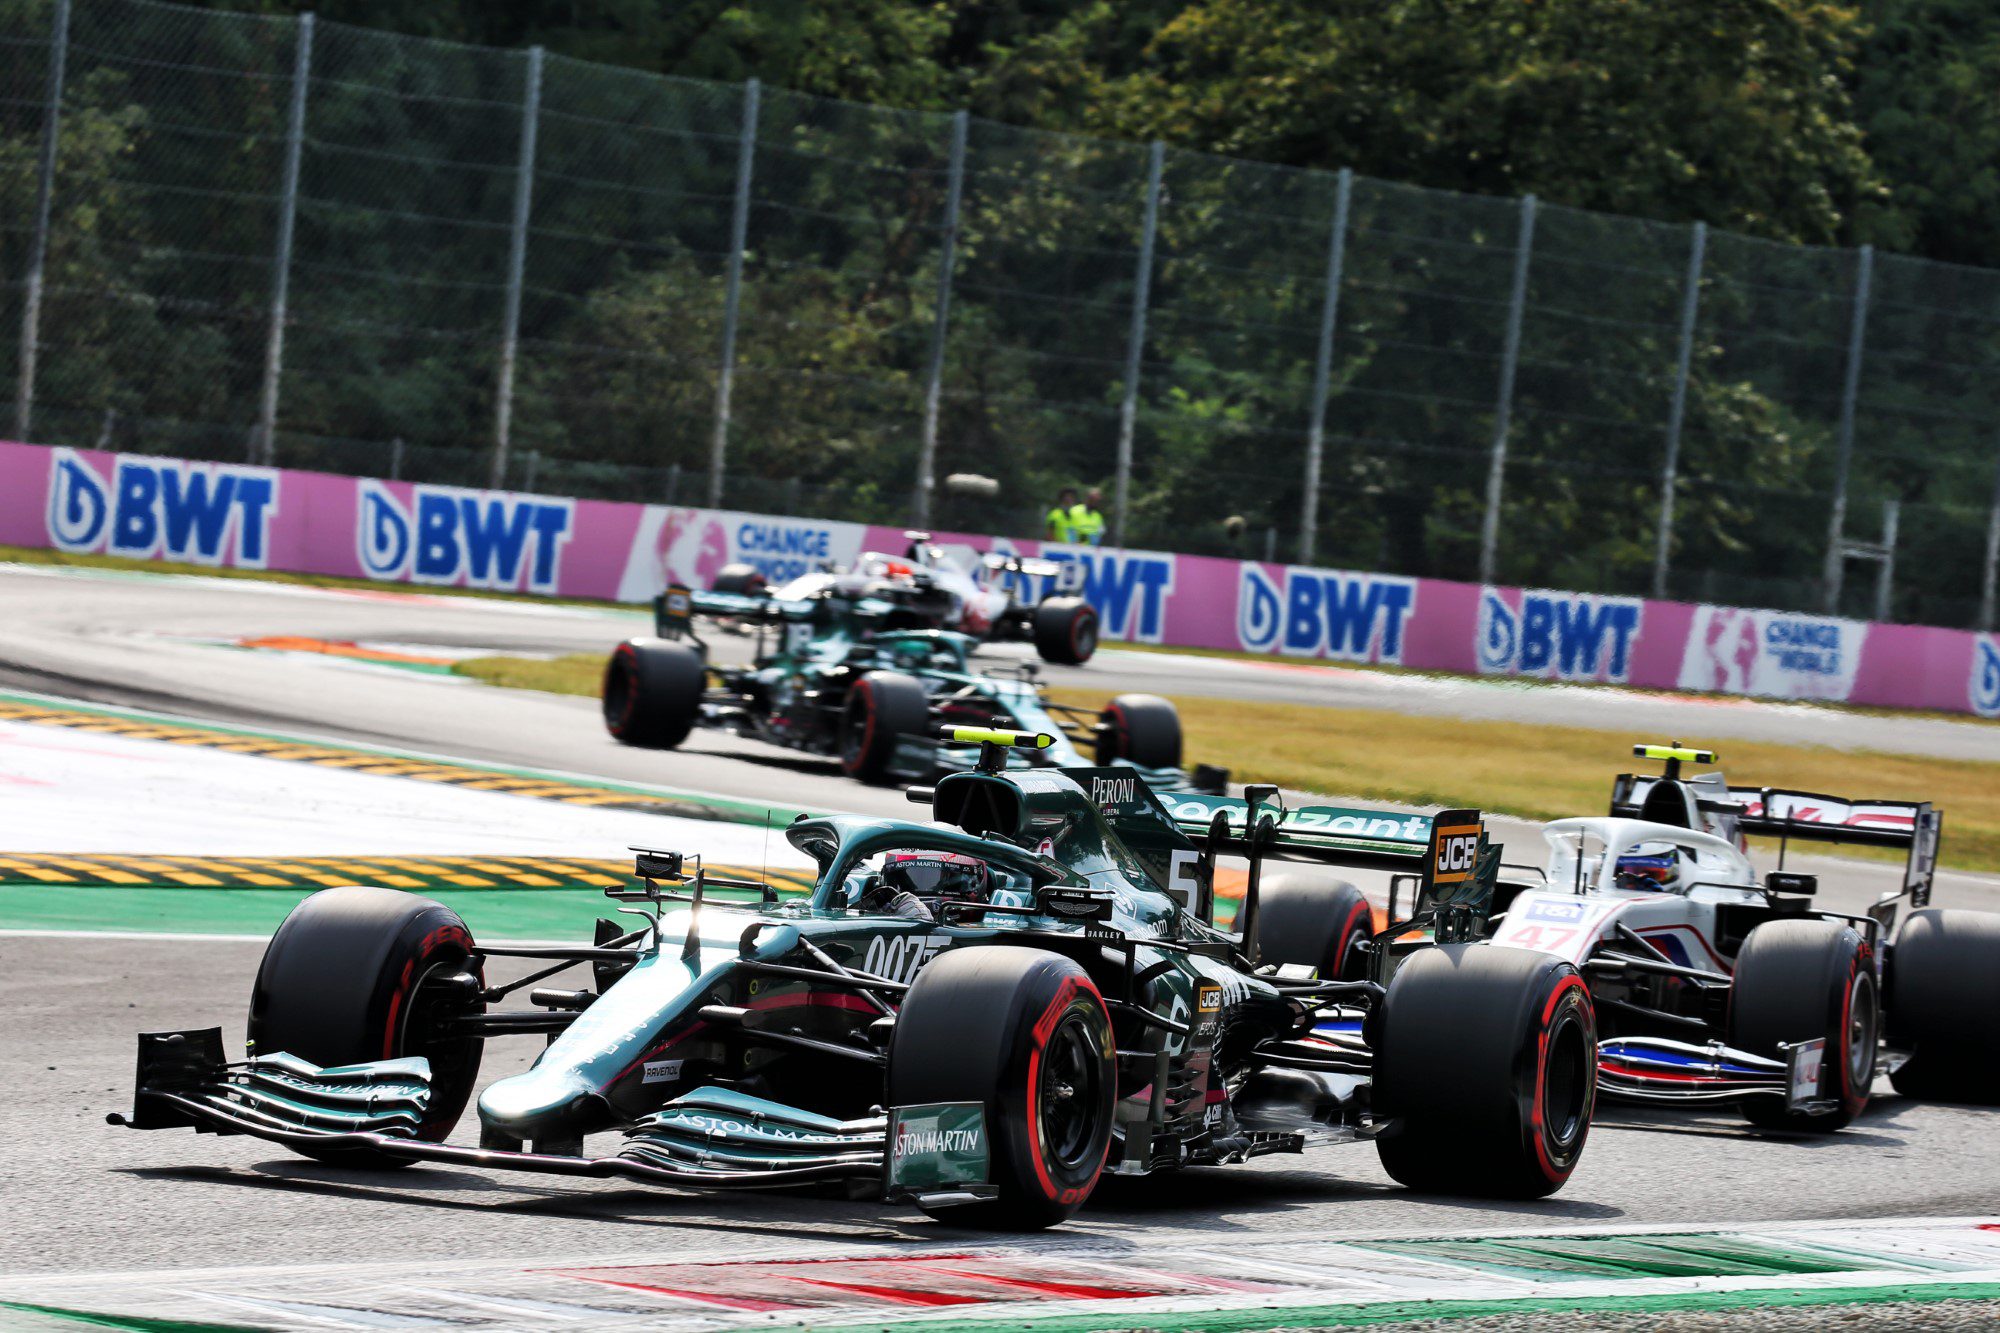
column 163, row 508
column 1565, row 635
column 478, row 539
column 1985, row 691
column 1319, row 613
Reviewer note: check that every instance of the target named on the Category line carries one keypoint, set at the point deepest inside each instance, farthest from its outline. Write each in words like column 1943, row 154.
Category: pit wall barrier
column 235, row 515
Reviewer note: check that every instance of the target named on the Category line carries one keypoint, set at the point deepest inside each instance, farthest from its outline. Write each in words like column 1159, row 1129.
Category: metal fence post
column 1677, row 409
column 1336, row 255
column 1989, row 583
column 1503, row 409
column 1836, row 528
column 1142, row 290
column 920, row 505
column 281, row 264
column 1885, row 572
column 38, row 251
column 517, row 258
column 739, row 228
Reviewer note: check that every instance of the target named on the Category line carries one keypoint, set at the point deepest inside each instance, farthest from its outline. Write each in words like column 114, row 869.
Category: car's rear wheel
column 881, row 707
column 1486, row 1068
column 1141, row 729
column 1943, row 1005
column 1065, row 630
column 1796, row 981
column 1026, row 1034
column 357, row 974
column 1306, row 919
column 742, row 579
column 652, row 692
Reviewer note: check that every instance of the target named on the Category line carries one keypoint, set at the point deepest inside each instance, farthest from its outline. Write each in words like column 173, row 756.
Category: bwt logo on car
column 1321, row 613
column 1566, row 635
column 163, row 508
column 478, row 539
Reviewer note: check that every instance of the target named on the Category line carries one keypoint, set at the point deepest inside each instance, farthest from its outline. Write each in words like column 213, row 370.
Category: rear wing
column 1338, row 835
column 1778, row 812
column 1448, row 855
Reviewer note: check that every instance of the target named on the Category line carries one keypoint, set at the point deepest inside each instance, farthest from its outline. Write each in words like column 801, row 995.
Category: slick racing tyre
column 881, row 706
column 1141, row 729
column 1065, row 630
column 1026, row 1033
column 1306, row 919
column 1486, row 1067
column 738, row 578
column 1795, row 981
column 652, row 692
column 357, row 974
column 1943, row 1005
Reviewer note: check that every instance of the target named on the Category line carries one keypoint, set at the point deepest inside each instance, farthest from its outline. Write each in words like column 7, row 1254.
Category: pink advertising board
column 263, row 518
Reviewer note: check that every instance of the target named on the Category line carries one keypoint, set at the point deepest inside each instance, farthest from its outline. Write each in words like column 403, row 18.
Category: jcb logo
column 1454, row 846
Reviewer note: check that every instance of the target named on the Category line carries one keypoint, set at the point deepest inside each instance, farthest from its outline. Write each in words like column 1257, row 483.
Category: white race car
column 1713, row 985
column 954, row 588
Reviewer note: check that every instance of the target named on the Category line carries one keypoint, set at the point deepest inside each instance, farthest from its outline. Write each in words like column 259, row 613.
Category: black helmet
column 941, row 875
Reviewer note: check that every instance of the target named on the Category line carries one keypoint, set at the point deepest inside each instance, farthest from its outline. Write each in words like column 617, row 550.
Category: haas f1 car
column 835, row 673
column 1713, row 985
column 938, row 587
column 982, row 1015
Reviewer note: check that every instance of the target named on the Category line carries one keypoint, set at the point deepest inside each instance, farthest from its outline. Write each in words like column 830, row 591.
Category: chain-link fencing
column 326, row 247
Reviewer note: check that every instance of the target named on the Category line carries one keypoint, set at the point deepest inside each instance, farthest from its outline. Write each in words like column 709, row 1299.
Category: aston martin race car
column 981, row 1015
column 837, row 674
column 930, row 586
column 1714, row 985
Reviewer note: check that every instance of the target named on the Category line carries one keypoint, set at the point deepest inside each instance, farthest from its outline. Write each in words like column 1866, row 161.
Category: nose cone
column 540, row 1104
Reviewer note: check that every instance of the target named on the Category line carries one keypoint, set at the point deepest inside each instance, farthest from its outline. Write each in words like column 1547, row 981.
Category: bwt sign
column 163, row 508
column 475, row 539
column 1984, row 693
column 1129, row 591
column 1564, row 635
column 1316, row 613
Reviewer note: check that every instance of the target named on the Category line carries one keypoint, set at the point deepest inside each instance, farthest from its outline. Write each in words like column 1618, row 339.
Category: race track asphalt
column 79, row 1194
column 83, row 1196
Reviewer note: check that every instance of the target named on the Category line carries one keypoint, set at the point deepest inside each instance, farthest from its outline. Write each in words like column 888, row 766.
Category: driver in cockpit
column 916, row 885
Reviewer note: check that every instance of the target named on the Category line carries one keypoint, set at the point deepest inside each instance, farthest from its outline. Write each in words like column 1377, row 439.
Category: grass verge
column 1534, row 771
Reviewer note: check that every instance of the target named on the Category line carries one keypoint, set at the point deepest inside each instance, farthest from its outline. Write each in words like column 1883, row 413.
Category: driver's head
column 939, row 876
column 1650, row 866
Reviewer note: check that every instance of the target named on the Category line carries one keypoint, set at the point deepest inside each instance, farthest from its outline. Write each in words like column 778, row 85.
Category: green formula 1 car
column 837, row 672
column 982, row 1015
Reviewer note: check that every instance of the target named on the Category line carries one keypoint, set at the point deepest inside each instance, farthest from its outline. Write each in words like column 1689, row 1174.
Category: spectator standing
column 1057, row 527
column 1086, row 520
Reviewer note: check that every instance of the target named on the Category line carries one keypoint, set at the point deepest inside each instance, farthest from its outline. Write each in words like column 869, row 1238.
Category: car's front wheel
column 1026, row 1034
column 358, row 974
column 1801, row 980
column 1486, row 1069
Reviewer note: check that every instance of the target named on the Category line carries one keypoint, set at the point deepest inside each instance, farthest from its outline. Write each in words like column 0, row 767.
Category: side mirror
column 1792, row 883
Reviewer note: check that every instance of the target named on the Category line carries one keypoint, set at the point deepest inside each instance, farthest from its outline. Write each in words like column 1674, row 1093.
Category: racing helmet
column 1651, row 867
column 938, row 876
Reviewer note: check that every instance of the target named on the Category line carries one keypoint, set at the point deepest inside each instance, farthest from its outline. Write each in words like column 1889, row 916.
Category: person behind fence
column 1056, row 528
column 1086, row 520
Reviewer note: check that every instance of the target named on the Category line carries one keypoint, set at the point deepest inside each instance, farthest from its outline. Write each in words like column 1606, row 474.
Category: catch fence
column 232, row 236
